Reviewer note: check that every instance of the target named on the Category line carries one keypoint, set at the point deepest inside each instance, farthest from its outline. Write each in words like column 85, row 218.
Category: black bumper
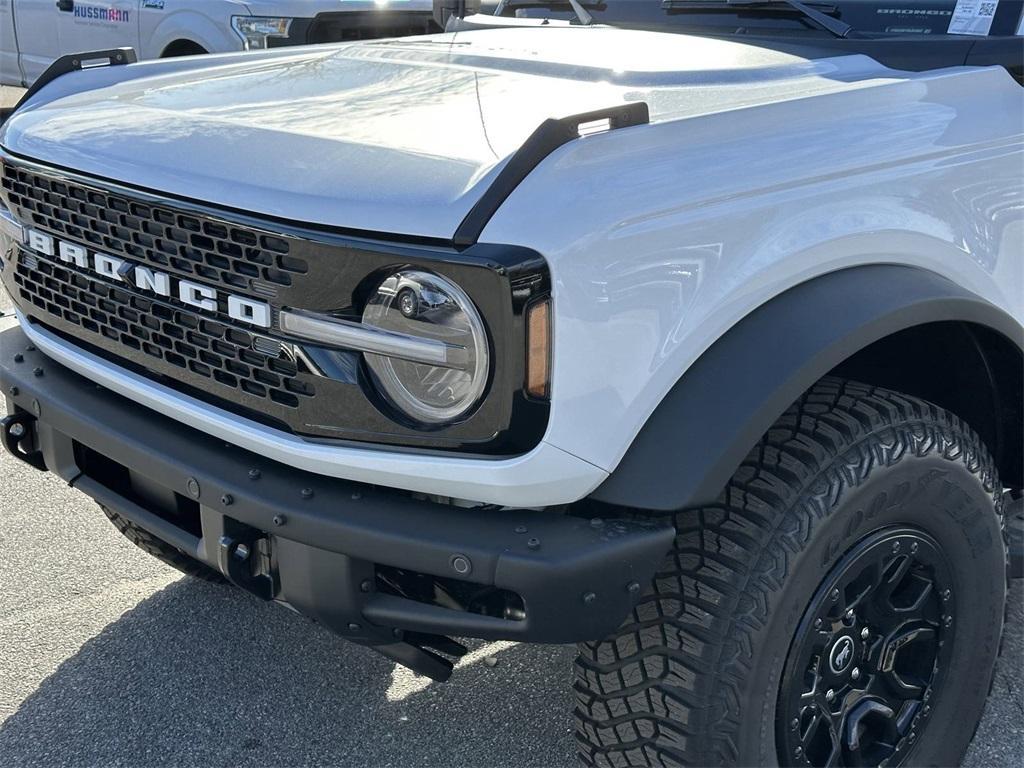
column 323, row 542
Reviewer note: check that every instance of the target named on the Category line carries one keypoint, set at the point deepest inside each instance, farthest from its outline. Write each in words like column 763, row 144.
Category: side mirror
column 446, row 9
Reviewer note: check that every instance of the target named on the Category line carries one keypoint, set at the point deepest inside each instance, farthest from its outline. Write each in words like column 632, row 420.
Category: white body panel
column 33, row 34
column 679, row 230
column 759, row 172
column 10, row 67
column 78, row 31
column 44, row 32
column 426, row 126
column 207, row 24
column 531, row 480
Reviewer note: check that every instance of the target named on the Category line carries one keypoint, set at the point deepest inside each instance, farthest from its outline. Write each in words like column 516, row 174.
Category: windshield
column 870, row 18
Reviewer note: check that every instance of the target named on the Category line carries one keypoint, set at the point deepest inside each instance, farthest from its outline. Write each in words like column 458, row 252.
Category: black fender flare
column 705, row 426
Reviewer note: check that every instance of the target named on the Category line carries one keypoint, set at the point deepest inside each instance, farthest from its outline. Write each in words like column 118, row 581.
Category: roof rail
column 549, row 136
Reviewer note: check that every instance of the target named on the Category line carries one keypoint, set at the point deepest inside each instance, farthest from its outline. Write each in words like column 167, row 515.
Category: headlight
column 255, row 30
column 426, row 306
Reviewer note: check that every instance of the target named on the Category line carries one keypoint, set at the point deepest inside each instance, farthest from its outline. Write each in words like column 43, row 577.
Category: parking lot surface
column 9, row 96
column 110, row 658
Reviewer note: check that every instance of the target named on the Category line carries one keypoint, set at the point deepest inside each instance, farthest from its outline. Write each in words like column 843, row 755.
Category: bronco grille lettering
column 162, row 284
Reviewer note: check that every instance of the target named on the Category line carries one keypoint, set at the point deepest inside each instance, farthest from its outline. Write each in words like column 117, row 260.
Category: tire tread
column 665, row 689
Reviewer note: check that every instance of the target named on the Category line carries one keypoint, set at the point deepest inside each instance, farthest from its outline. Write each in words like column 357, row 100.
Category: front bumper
column 318, row 543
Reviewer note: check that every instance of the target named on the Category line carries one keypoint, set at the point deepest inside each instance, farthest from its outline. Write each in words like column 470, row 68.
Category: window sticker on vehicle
column 972, row 17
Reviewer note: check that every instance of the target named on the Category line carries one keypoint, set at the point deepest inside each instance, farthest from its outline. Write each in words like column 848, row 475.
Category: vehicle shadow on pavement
column 202, row 674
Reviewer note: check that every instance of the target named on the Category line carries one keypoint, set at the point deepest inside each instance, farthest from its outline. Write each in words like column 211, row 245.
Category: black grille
column 174, row 337
column 254, row 372
column 230, row 257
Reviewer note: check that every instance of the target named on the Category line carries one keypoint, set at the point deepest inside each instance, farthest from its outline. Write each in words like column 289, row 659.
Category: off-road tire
column 161, row 550
column 692, row 677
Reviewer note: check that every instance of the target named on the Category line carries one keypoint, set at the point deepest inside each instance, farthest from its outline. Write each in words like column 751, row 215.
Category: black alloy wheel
column 869, row 655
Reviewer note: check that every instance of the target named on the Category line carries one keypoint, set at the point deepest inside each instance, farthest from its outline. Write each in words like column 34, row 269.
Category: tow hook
column 236, row 551
column 18, row 431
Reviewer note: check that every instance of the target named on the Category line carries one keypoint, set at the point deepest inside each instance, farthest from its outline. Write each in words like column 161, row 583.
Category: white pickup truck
column 33, row 33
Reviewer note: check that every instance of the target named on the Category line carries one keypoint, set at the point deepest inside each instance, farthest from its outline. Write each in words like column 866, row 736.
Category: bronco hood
column 399, row 136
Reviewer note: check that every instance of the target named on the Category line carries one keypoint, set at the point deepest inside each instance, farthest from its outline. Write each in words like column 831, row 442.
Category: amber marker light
column 538, row 344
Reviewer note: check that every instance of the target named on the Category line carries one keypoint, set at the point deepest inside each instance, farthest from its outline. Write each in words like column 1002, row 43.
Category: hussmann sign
column 98, row 13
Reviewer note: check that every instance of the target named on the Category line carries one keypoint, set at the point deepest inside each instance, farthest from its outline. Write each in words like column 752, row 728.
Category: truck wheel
column 182, row 48
column 161, row 550
column 840, row 604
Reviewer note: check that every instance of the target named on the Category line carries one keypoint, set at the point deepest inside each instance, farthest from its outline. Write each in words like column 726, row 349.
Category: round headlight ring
column 422, row 304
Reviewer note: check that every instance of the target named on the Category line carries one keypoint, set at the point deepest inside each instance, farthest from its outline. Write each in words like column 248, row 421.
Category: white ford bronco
column 690, row 347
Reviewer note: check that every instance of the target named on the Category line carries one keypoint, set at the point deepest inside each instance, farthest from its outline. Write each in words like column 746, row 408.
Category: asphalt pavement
column 110, row 658
column 9, row 96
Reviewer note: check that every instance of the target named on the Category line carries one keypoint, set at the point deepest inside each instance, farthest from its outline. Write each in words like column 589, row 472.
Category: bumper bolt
column 354, row 627
column 849, row 615
column 589, row 598
column 280, row 519
column 366, row 586
column 794, row 724
column 633, row 587
column 30, row 348
column 834, row 595
column 533, row 544
column 19, row 358
column 818, row 623
column 946, row 595
column 14, row 391
column 357, row 496
column 37, row 409
column 947, row 621
column 830, row 695
column 864, row 633
column 306, row 493
column 520, row 529
column 896, row 546
column 37, row 372
column 254, row 474
column 17, row 431
column 227, row 499
column 855, row 674
column 913, row 548
column 798, row 751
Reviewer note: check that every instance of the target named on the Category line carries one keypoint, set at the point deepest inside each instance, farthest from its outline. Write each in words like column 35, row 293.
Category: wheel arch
column 206, row 27
column 182, row 46
column 881, row 324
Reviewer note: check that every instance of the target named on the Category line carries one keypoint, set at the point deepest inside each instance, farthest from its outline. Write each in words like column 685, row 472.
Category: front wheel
column 840, row 605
